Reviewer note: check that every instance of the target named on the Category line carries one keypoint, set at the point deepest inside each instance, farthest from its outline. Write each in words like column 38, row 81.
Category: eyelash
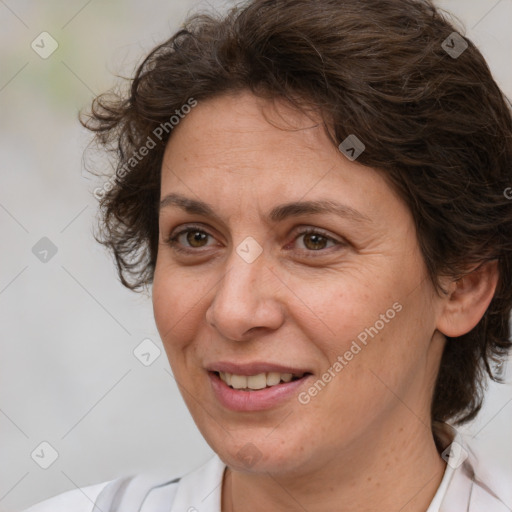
column 172, row 239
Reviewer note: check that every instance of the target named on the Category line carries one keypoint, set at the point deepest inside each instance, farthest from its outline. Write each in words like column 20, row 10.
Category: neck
column 395, row 468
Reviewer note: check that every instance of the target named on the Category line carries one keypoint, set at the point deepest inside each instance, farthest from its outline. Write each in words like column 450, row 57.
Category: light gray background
column 68, row 328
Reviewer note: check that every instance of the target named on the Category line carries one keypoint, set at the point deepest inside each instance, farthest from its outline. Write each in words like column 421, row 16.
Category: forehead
column 241, row 132
column 238, row 126
column 243, row 147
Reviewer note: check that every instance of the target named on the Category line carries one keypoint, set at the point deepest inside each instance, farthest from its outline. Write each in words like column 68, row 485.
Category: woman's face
column 246, row 292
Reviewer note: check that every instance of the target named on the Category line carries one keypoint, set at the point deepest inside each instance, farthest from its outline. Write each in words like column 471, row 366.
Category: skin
column 364, row 442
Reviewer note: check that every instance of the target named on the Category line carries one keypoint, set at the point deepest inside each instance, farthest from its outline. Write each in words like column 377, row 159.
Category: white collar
column 200, row 490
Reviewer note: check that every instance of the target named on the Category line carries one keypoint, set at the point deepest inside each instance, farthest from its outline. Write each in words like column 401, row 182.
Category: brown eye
column 314, row 241
column 188, row 239
column 196, row 237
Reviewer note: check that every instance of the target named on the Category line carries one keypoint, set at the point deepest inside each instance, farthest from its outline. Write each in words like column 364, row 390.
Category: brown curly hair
column 436, row 125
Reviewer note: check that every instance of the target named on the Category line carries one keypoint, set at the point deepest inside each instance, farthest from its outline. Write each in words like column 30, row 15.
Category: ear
column 468, row 299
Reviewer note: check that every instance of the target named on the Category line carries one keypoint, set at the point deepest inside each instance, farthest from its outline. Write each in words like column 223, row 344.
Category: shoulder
column 130, row 491
column 147, row 492
column 78, row 500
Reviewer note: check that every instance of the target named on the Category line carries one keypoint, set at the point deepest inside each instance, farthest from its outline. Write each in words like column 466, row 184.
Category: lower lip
column 257, row 400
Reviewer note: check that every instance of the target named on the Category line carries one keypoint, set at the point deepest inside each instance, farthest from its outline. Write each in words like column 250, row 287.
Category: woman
column 315, row 192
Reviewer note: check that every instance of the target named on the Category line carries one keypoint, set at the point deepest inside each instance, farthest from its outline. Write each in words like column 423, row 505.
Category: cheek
column 170, row 305
column 381, row 349
column 341, row 310
column 161, row 299
column 178, row 311
column 367, row 330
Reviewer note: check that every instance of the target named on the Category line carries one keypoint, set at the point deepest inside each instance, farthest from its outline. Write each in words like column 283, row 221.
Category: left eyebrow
column 277, row 214
column 296, row 209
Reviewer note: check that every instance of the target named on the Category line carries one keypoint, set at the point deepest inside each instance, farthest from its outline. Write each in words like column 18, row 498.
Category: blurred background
column 77, row 406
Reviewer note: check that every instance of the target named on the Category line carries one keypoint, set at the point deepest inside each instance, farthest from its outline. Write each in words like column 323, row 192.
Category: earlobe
column 468, row 299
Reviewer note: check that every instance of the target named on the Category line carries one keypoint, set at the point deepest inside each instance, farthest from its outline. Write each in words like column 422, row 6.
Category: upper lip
column 254, row 368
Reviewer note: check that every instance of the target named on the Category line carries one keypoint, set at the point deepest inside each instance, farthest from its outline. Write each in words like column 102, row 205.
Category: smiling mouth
column 259, row 381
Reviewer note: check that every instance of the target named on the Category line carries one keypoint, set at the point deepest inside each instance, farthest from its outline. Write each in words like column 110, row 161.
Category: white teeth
column 226, row 377
column 273, row 378
column 238, row 381
column 255, row 382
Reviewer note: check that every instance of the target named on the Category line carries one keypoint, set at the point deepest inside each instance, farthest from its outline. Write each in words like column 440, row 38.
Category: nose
column 247, row 300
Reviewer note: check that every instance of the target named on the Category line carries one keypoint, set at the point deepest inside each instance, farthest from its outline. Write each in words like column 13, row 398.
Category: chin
column 257, row 453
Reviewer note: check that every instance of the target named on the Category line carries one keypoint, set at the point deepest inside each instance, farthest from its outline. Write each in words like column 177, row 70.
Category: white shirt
column 462, row 489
